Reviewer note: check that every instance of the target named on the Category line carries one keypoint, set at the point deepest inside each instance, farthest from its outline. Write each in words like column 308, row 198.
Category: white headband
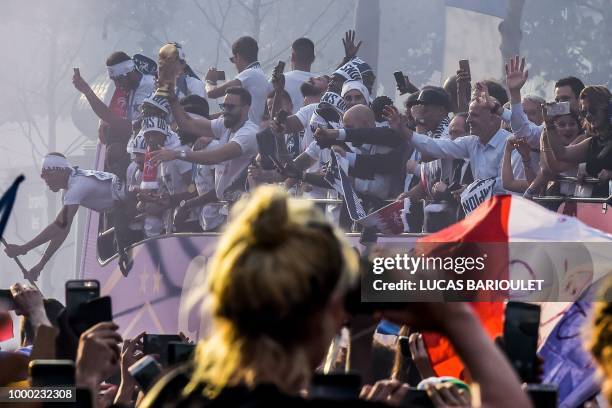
column 122, row 68
column 52, row 161
column 349, row 72
column 137, row 144
column 358, row 86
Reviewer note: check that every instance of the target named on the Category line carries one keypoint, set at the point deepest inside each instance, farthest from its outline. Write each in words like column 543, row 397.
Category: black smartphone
column 145, row 371
column 335, row 386
column 158, row 344
column 266, row 144
column 417, row 399
column 280, row 67
column 47, row 373
column 542, row 395
column 179, row 352
column 92, row 312
column 464, row 65
column 80, row 291
column 220, row 75
column 400, row 80
column 521, row 325
column 6, row 299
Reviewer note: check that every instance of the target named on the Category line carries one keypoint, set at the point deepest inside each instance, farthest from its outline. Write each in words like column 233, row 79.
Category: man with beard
column 237, row 142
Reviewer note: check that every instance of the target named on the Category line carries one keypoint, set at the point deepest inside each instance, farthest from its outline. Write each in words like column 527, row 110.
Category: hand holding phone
column 158, row 344
column 220, row 75
column 400, row 80
column 521, row 327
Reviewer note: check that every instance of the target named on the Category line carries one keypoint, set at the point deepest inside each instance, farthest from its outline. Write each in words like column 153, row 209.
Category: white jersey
column 228, row 172
column 195, row 86
column 210, row 215
column 254, row 80
column 293, row 81
column 145, row 88
column 96, row 190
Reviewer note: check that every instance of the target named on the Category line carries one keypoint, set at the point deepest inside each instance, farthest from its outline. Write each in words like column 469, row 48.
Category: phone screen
column 521, row 325
column 6, row 299
column 79, row 292
column 179, row 352
column 158, row 344
column 92, row 312
column 45, row 373
column 221, row 75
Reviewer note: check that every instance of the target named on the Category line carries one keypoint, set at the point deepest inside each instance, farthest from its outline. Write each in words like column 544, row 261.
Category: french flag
column 581, row 262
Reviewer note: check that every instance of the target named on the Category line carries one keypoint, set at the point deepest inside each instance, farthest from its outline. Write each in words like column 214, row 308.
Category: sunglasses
column 232, row 59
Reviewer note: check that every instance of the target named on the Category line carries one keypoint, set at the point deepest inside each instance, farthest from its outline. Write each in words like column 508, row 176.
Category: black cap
column 433, row 96
column 411, row 100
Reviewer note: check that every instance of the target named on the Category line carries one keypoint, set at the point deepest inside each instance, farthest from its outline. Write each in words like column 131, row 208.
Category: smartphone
column 464, row 65
column 335, row 386
column 76, row 71
column 416, row 398
column 145, row 371
column 6, row 300
column 92, row 312
column 542, row 395
column 557, row 108
column 79, row 292
column 400, row 80
column 220, row 75
column 46, row 373
column 266, row 144
column 521, row 325
column 158, row 344
column 179, row 352
column 280, row 67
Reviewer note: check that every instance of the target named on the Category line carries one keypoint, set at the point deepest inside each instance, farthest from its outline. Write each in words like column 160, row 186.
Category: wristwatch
column 183, row 154
column 182, row 203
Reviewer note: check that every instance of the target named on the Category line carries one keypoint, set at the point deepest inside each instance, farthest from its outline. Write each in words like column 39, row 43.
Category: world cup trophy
column 168, row 69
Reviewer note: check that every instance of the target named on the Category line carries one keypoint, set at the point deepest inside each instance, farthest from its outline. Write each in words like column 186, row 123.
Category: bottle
column 149, row 173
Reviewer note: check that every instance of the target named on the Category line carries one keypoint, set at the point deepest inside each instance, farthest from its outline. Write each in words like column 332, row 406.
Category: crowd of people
column 282, row 270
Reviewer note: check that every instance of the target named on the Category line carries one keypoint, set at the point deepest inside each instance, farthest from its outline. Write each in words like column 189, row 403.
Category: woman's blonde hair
column 599, row 342
column 275, row 267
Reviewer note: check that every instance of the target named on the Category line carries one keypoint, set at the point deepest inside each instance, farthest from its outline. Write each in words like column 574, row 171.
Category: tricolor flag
column 580, row 260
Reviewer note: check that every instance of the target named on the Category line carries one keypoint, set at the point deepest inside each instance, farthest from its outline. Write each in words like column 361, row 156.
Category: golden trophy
column 168, row 69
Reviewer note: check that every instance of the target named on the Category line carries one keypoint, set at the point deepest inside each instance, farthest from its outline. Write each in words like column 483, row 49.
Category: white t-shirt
column 293, row 81
column 91, row 189
column 254, row 80
column 304, row 114
column 195, row 86
column 175, row 174
column 210, row 215
column 227, row 172
column 135, row 98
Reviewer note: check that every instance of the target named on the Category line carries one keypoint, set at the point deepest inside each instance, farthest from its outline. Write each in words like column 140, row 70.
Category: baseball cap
column 433, row 96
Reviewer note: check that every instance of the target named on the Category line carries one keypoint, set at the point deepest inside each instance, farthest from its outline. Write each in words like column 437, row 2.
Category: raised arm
column 216, row 91
column 97, row 105
column 221, row 154
column 197, row 126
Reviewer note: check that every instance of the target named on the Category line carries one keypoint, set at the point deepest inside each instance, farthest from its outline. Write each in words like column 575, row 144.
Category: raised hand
column 79, row 83
column 350, row 49
column 13, row 250
column 516, row 75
